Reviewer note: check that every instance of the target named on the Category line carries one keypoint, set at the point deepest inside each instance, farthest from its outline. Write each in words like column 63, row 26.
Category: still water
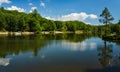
column 58, row 53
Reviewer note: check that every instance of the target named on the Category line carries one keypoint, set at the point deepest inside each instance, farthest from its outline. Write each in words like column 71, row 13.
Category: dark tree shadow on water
column 105, row 54
column 105, row 58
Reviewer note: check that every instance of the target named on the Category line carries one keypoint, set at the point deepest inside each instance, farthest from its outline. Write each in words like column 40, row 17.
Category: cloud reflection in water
column 4, row 61
column 81, row 46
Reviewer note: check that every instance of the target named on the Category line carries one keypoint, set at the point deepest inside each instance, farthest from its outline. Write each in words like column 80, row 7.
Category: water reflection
column 79, row 46
column 58, row 53
column 17, row 44
column 14, row 45
column 105, row 54
column 4, row 61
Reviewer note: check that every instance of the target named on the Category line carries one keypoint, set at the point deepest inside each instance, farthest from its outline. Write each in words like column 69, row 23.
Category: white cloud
column 42, row 4
column 33, row 8
column 92, row 16
column 88, row 23
column 4, row 1
column 16, row 8
column 50, row 18
column 75, row 16
column 30, row 4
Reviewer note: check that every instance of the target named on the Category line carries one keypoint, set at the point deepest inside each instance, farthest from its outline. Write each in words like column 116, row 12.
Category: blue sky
column 83, row 10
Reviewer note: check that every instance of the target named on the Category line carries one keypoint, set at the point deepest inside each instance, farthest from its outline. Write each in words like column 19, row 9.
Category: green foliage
column 51, row 25
column 119, row 22
column 63, row 27
column 106, row 19
column 13, row 21
column 2, row 21
column 117, row 29
column 58, row 25
column 21, row 24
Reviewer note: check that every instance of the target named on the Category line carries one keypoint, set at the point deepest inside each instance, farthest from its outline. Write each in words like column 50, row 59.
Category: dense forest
column 14, row 21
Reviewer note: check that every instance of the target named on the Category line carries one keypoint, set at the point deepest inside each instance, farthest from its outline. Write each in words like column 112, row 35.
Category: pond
column 58, row 53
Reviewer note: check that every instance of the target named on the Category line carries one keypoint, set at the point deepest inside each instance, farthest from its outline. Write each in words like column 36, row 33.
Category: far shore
column 16, row 33
column 43, row 32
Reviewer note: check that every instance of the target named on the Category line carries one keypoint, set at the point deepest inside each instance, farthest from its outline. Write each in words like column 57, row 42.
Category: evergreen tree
column 106, row 18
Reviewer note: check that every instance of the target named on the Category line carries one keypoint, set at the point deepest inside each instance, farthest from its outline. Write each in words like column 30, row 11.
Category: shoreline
column 112, row 38
column 16, row 33
column 43, row 32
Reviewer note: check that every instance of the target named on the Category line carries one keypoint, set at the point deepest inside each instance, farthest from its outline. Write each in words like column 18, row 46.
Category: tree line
column 14, row 21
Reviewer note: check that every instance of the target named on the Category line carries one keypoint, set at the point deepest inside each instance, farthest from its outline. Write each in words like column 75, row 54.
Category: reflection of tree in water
column 105, row 54
column 14, row 45
column 116, row 59
column 69, row 37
